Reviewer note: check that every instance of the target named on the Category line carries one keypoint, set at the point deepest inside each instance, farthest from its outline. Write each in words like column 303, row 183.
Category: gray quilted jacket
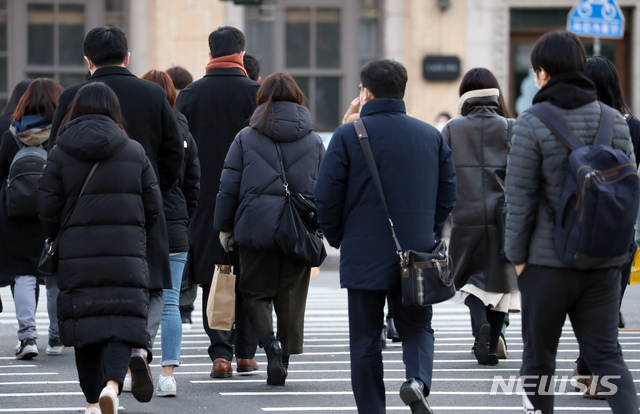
column 537, row 163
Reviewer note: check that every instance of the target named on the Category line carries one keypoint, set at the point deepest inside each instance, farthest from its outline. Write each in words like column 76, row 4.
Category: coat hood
column 92, row 138
column 32, row 130
column 288, row 122
column 483, row 97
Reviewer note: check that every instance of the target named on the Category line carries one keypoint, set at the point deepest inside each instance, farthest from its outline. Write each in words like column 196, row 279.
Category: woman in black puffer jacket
column 249, row 205
column 102, row 271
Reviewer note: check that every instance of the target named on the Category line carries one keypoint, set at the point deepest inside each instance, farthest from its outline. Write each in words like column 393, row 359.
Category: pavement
column 319, row 379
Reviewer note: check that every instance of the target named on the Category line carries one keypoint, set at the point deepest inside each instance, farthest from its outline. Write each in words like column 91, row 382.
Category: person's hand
column 227, row 241
column 520, row 268
column 355, row 103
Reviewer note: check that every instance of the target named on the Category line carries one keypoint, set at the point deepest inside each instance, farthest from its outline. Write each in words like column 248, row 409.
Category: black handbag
column 426, row 278
column 298, row 234
column 48, row 263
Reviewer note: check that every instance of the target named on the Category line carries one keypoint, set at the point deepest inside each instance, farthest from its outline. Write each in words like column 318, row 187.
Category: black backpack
column 594, row 222
column 22, row 182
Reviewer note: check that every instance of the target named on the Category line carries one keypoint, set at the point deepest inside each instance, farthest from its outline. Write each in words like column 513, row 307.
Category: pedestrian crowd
column 146, row 186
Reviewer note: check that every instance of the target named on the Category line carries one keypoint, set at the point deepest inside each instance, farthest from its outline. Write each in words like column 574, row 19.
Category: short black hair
column 558, row 52
column 106, row 46
column 225, row 41
column 384, row 78
column 252, row 66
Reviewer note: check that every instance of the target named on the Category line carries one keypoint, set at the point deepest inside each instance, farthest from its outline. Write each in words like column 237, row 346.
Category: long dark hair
column 17, row 93
column 278, row 86
column 482, row 78
column 95, row 98
column 40, row 98
column 604, row 75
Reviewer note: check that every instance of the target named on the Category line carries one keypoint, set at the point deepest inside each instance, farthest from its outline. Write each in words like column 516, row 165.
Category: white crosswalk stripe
column 319, row 379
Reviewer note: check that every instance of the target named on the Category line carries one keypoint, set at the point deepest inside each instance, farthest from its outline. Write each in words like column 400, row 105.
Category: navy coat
column 252, row 195
column 419, row 182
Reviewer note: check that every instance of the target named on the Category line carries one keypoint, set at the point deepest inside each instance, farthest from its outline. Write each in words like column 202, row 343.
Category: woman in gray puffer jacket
column 479, row 142
column 249, row 204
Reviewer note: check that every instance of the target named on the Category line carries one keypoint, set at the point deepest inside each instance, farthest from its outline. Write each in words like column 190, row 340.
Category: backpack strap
column 510, row 123
column 605, row 129
column 556, row 126
column 20, row 143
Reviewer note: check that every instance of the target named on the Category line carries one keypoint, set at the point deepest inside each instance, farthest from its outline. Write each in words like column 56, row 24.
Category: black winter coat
column 180, row 203
column 102, row 270
column 252, row 195
column 217, row 107
column 479, row 144
column 149, row 120
column 21, row 239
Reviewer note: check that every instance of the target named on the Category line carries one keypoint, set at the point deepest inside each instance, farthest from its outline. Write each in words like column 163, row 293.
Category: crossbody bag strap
column 363, row 137
column 86, row 181
column 283, row 175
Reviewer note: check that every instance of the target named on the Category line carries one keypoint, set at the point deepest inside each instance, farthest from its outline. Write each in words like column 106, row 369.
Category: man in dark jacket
column 149, row 120
column 550, row 290
column 419, row 182
column 217, row 107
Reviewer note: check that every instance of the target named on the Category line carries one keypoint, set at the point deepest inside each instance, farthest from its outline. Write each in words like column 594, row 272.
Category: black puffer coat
column 478, row 142
column 251, row 197
column 102, row 273
column 181, row 201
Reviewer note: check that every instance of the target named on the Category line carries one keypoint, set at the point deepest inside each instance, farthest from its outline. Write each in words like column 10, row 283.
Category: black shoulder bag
column 48, row 263
column 426, row 277
column 298, row 234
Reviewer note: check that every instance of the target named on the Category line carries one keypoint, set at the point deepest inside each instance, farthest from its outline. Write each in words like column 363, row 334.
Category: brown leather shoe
column 221, row 368
column 246, row 365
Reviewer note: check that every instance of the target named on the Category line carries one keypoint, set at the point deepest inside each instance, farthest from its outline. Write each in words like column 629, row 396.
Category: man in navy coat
column 419, row 183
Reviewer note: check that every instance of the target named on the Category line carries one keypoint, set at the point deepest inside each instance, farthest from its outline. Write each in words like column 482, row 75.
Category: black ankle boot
column 392, row 333
column 276, row 372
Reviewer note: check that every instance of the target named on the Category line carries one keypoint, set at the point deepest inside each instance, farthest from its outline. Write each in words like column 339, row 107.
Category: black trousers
column 269, row 276
column 240, row 341
column 98, row 364
column 591, row 299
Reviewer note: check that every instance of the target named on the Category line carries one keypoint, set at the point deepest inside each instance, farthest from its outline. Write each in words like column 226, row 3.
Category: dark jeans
column 98, row 364
column 591, row 299
column 267, row 277
column 366, row 314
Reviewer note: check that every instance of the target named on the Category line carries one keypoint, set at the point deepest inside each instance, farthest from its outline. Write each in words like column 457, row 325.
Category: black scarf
column 567, row 90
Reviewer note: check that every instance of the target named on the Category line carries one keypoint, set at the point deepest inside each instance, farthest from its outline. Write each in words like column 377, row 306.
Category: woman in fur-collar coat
column 479, row 141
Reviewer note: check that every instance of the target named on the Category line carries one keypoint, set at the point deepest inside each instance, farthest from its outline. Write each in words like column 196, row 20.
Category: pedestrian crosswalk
column 319, row 379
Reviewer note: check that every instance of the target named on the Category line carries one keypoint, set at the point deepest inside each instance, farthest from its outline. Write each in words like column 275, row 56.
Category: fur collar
column 478, row 93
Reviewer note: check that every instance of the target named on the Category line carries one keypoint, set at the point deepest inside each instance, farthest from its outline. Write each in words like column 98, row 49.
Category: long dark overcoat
column 419, row 182
column 102, row 271
column 149, row 120
column 479, row 143
column 217, row 107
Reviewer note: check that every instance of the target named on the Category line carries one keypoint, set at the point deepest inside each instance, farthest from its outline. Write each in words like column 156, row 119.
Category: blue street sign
column 596, row 18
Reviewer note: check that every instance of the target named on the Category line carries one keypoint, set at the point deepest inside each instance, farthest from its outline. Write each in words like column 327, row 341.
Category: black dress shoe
column 481, row 350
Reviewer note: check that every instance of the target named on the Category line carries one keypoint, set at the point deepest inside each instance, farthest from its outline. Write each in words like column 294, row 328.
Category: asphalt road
column 318, row 380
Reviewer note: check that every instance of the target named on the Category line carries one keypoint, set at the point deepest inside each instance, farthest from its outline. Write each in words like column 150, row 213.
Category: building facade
column 322, row 43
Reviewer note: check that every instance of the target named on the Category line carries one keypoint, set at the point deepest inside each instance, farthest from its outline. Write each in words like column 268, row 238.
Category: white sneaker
column 92, row 410
column 108, row 401
column 126, row 385
column 166, row 387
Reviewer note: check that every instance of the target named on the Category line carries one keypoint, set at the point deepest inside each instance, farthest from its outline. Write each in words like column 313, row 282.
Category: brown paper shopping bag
column 221, row 303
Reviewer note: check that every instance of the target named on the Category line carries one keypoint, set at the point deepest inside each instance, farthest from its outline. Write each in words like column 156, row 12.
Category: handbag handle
column 283, row 175
column 363, row 137
column 86, row 181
